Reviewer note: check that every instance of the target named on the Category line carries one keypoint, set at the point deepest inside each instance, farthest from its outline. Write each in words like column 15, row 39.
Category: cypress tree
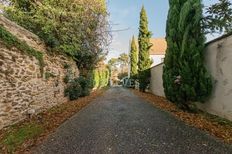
column 171, row 61
column 185, row 77
column 133, row 59
column 144, row 61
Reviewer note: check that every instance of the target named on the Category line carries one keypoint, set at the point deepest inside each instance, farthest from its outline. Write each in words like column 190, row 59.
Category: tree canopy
column 219, row 17
column 77, row 28
column 185, row 77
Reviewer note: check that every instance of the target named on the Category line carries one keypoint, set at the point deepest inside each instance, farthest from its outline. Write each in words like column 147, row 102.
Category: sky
column 124, row 14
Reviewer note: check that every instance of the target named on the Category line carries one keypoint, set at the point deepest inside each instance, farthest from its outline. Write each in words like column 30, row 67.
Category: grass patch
column 16, row 137
column 11, row 41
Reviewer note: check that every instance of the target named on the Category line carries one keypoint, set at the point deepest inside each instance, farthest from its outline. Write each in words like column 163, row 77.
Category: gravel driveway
column 120, row 122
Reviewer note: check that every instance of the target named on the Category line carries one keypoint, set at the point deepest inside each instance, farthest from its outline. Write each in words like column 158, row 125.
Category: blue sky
column 125, row 14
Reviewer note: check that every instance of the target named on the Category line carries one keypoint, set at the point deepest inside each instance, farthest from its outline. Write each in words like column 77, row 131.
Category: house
column 157, row 51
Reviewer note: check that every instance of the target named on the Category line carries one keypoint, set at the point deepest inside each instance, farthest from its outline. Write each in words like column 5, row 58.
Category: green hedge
column 78, row 87
column 100, row 78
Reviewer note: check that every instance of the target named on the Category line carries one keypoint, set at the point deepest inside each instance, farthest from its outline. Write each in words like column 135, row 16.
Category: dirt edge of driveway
column 213, row 125
column 41, row 125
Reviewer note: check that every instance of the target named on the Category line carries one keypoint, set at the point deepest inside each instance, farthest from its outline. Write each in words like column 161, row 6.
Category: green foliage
column 144, row 61
column 96, row 78
column 185, row 77
column 107, row 77
column 100, row 78
column 75, row 28
column 11, row 41
column 78, row 87
column 18, row 136
column 49, row 75
column 66, row 66
column 122, row 75
column 219, row 17
column 66, row 78
column 73, row 91
column 113, row 62
column 133, row 59
column 69, row 74
column 123, row 59
column 85, row 86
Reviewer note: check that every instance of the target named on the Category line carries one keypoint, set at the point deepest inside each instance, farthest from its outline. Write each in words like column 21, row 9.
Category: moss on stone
column 12, row 41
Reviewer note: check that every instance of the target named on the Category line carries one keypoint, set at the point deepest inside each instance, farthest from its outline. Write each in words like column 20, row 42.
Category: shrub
column 66, row 78
column 73, row 91
column 100, row 78
column 85, row 86
column 78, row 87
column 96, row 78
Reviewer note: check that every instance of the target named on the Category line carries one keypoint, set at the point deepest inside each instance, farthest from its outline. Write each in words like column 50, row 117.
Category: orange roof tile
column 159, row 46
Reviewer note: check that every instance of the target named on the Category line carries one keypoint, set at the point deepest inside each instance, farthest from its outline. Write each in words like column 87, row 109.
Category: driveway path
column 120, row 122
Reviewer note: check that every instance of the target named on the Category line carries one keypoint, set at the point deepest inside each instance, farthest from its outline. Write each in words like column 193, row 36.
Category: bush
column 78, row 87
column 96, row 78
column 100, row 78
column 73, row 91
column 85, row 86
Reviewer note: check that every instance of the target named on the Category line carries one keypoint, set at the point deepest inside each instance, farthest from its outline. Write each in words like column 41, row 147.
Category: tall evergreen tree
column 133, row 59
column 171, row 62
column 185, row 77
column 144, row 61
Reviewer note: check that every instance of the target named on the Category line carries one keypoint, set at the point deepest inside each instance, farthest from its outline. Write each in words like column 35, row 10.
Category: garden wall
column 218, row 59
column 156, row 85
column 25, row 88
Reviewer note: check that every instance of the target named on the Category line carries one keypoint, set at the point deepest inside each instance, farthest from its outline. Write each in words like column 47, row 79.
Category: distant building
column 157, row 51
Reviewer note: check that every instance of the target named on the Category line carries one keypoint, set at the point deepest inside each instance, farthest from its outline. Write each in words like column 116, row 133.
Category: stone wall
column 23, row 90
column 218, row 60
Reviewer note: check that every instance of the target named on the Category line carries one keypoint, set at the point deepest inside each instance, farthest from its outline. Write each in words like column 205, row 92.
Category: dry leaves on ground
column 214, row 125
column 48, row 120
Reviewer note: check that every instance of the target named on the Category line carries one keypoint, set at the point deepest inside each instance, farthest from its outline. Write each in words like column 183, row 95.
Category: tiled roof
column 159, row 46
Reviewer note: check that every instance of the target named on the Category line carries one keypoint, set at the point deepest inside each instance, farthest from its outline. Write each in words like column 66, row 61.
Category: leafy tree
column 185, row 77
column 75, row 28
column 219, row 17
column 113, row 62
column 144, row 61
column 133, row 59
column 123, row 61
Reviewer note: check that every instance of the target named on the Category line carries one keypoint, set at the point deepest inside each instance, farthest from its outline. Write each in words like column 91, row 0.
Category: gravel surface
column 120, row 122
